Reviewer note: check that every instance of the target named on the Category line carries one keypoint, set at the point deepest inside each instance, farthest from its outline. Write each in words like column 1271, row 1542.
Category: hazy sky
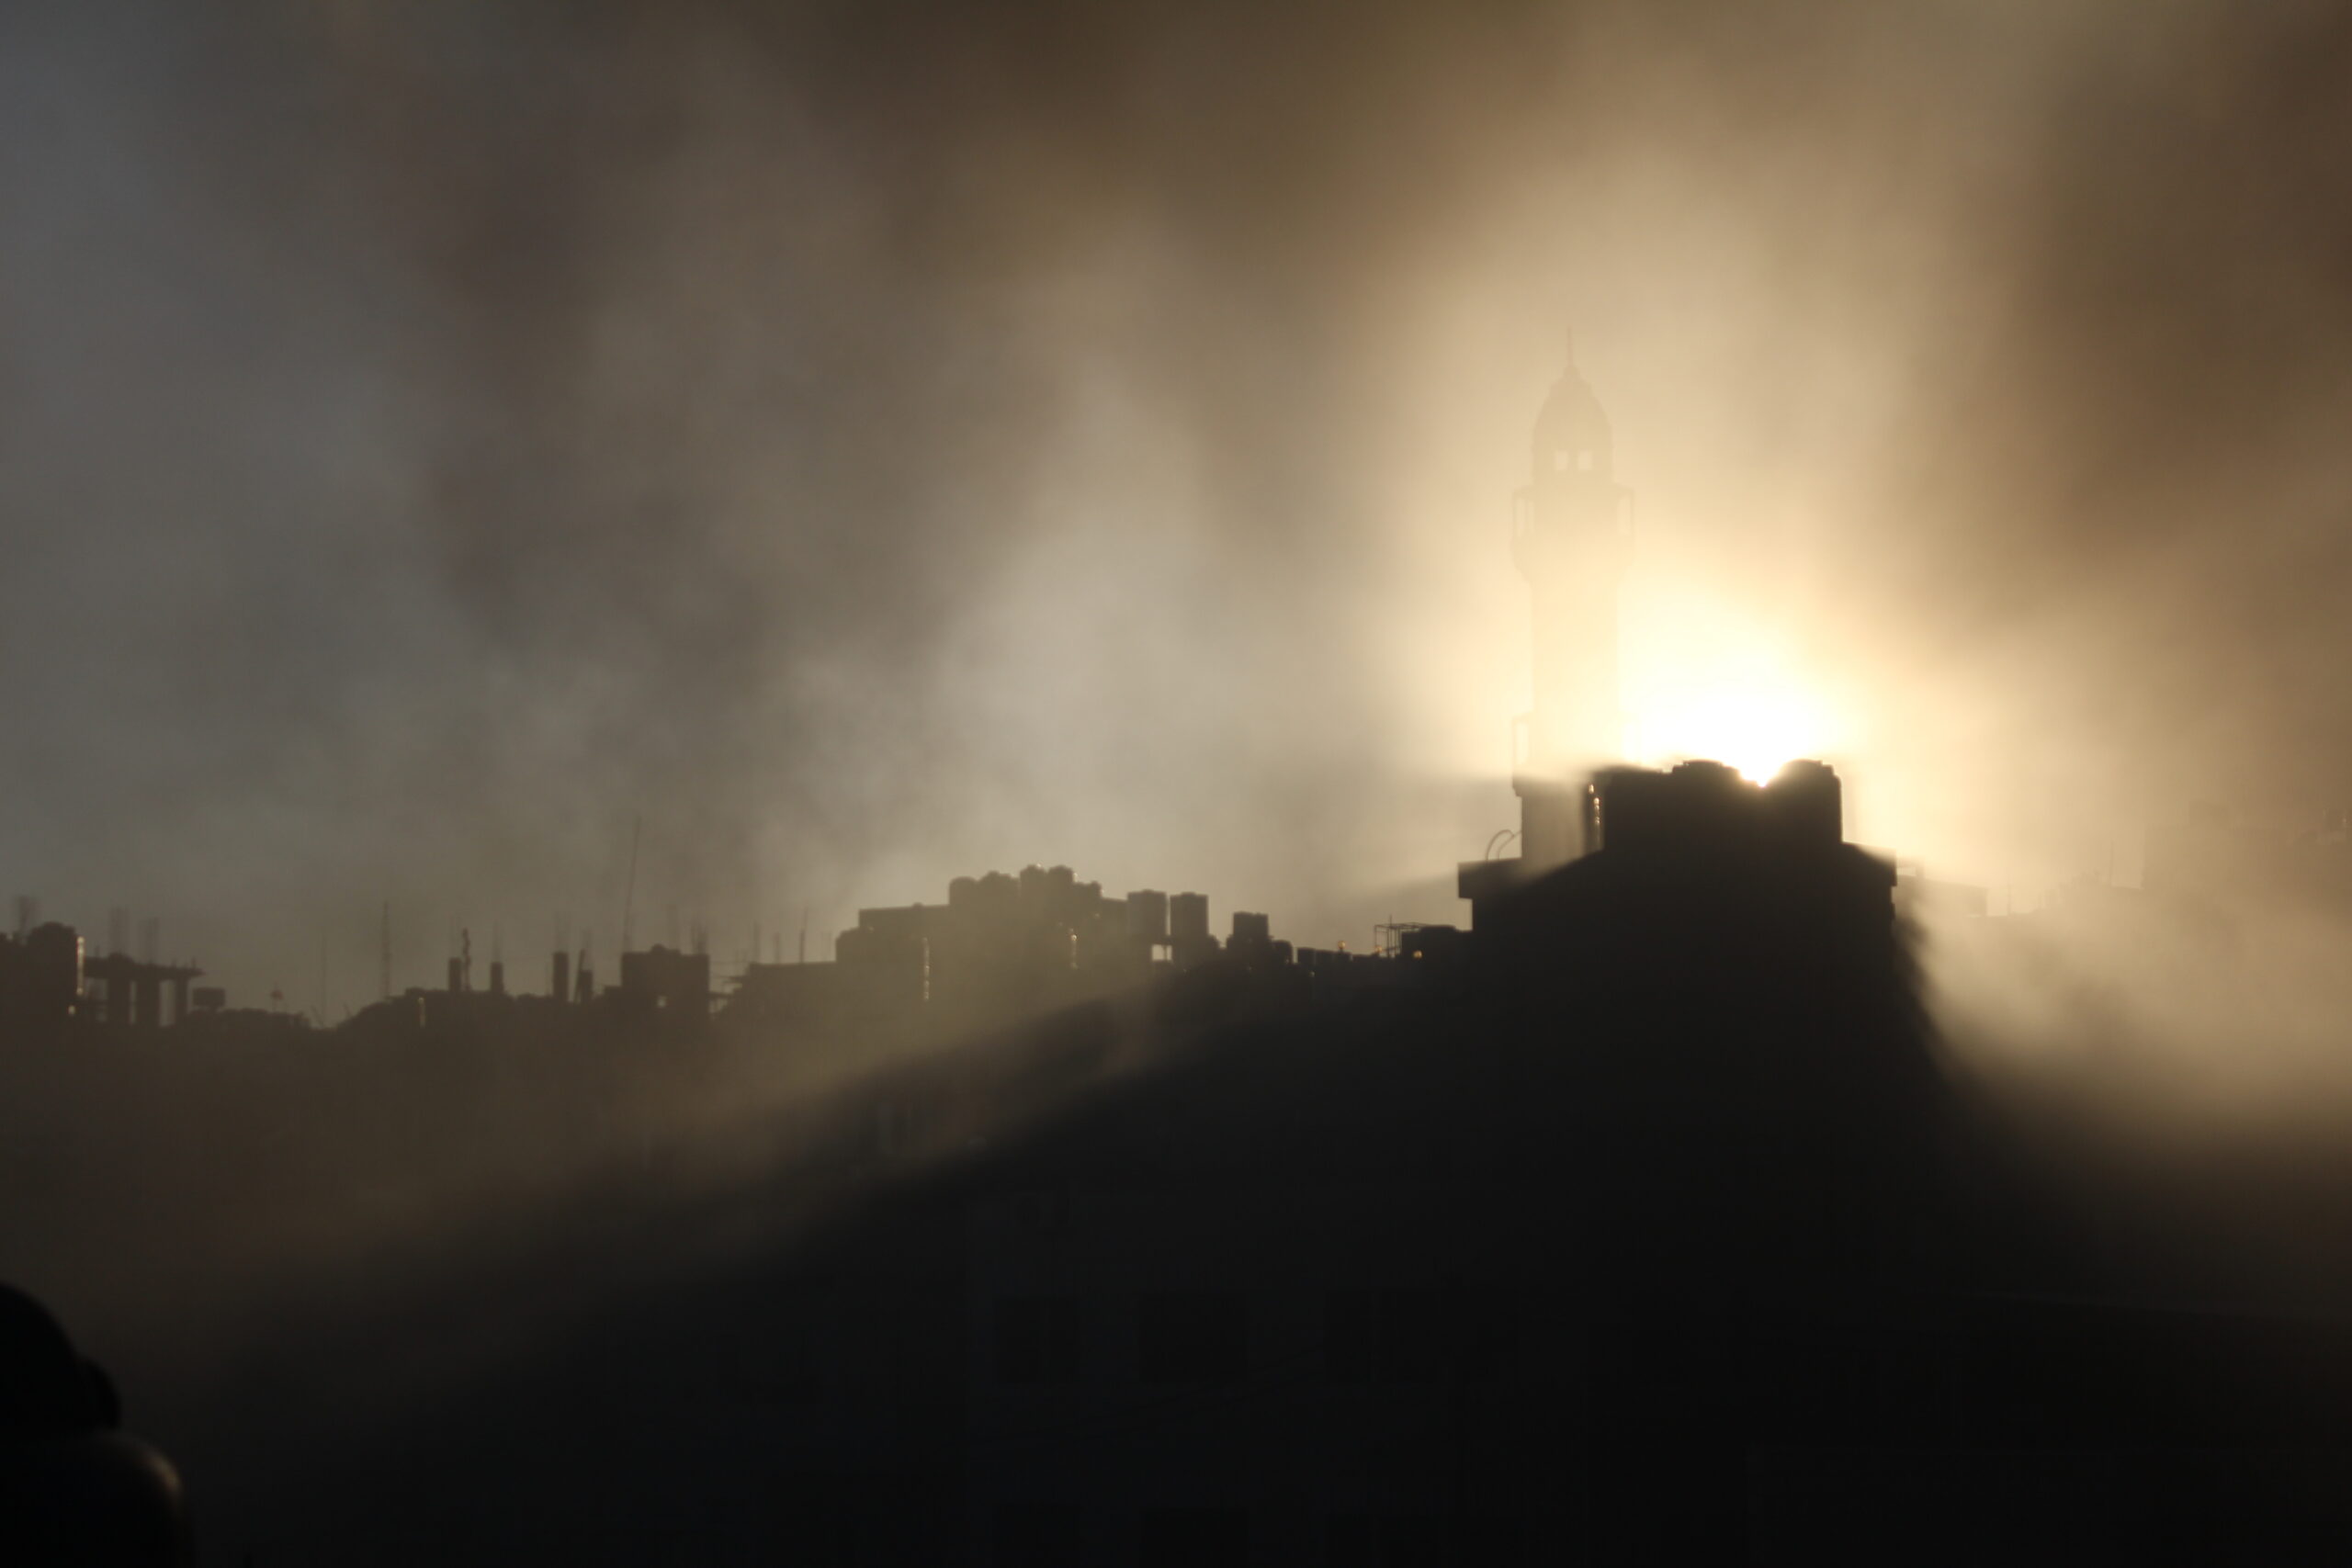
column 878, row 442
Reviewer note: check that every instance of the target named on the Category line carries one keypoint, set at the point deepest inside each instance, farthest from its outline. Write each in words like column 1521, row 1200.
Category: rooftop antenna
column 628, row 899
column 804, row 934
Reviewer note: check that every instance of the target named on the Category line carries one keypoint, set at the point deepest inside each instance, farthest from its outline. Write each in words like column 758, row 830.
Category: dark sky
column 876, row 441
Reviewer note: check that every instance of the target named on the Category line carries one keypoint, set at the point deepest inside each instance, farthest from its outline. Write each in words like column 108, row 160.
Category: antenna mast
column 628, row 899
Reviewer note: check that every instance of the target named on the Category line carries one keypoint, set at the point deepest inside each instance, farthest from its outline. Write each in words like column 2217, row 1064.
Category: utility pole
column 628, row 899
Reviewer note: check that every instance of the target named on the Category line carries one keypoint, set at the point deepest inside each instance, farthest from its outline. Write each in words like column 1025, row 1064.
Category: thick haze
column 879, row 443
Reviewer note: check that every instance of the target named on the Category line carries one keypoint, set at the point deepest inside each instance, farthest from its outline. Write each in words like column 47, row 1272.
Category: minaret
column 1571, row 529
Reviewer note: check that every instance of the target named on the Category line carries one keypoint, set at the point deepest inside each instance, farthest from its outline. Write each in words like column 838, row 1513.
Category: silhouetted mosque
column 1641, row 1226
column 1644, row 1226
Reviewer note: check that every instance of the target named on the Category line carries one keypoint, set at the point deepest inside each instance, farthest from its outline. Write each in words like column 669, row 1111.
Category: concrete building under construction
column 48, row 978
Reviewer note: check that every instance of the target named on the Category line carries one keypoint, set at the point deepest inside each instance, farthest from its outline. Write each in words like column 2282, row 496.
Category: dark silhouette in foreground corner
column 75, row 1490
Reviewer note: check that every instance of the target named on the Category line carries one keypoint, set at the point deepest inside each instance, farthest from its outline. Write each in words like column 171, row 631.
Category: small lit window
column 1584, row 462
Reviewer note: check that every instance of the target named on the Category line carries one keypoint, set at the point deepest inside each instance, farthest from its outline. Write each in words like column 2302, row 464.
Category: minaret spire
column 1570, row 539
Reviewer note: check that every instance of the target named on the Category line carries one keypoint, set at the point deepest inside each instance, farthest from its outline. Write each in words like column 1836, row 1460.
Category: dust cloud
column 873, row 444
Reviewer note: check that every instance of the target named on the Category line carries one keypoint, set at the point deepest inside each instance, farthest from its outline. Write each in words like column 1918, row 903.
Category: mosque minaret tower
column 1571, row 532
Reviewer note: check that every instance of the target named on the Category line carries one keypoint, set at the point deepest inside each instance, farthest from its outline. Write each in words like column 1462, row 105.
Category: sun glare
column 1702, row 680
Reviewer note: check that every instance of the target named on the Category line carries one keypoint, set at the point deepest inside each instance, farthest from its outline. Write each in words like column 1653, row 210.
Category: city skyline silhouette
column 900, row 785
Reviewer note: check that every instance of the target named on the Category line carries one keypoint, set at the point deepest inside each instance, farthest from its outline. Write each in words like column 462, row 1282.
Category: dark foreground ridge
column 1638, row 1224
column 1644, row 1225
